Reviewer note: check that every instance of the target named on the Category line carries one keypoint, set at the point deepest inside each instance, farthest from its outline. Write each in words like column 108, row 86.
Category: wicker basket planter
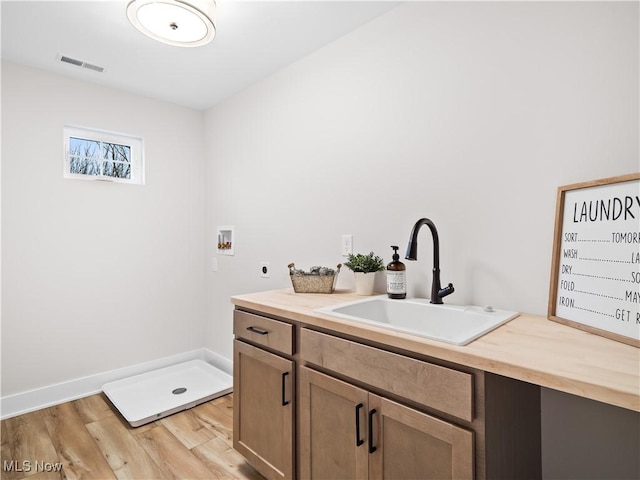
column 317, row 280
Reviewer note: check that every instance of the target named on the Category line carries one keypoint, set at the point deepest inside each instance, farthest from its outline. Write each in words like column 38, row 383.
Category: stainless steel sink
column 455, row 324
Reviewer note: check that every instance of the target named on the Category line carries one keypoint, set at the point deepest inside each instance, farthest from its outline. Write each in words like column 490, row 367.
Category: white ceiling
column 253, row 40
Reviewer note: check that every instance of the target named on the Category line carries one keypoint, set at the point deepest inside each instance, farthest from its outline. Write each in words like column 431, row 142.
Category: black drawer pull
column 359, row 441
column 371, row 447
column 257, row 330
column 284, row 389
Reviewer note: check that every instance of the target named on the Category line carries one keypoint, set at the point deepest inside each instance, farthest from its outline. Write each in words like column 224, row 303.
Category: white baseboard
column 32, row 400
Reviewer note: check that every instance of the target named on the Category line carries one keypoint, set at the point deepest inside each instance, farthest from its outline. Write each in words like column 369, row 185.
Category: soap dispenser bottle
column 396, row 277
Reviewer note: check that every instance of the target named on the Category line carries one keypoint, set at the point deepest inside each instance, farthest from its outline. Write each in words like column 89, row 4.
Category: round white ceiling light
column 185, row 23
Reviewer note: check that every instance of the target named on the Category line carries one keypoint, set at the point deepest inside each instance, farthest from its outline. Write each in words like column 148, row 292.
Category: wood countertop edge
column 530, row 348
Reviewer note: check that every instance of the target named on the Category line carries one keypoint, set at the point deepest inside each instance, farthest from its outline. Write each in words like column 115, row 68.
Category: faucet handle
column 448, row 290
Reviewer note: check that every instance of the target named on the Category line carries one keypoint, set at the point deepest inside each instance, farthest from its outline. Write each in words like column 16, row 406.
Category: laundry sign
column 595, row 273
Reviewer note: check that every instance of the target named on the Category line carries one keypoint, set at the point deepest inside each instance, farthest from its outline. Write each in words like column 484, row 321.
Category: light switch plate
column 347, row 245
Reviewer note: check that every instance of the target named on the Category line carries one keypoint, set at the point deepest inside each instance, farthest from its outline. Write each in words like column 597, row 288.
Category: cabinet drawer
column 263, row 331
column 444, row 389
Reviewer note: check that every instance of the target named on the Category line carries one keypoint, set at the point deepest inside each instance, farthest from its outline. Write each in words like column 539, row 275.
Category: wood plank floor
column 89, row 439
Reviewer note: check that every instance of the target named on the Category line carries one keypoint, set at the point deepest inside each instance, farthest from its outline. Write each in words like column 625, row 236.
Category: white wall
column 471, row 114
column 96, row 276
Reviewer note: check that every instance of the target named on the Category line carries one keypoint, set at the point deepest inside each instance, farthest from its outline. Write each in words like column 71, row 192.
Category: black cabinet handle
column 371, row 447
column 284, row 389
column 359, row 441
column 257, row 330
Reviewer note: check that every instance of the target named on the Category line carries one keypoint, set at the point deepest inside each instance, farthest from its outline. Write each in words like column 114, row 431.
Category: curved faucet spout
column 437, row 292
column 412, row 247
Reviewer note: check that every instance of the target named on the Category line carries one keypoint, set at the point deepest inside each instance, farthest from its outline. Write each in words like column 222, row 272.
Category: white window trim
column 135, row 143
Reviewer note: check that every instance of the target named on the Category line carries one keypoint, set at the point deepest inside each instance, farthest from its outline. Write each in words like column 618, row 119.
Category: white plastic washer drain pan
column 149, row 396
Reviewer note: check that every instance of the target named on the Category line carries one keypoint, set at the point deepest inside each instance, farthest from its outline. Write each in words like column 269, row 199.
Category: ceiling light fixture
column 185, row 23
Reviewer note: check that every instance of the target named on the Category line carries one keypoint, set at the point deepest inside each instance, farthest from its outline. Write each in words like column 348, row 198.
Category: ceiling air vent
column 80, row 63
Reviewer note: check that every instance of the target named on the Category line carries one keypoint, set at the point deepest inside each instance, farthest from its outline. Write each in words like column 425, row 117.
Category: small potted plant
column 364, row 268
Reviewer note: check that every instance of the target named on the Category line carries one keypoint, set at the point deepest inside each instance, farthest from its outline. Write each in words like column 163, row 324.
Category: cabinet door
column 333, row 428
column 409, row 445
column 263, row 410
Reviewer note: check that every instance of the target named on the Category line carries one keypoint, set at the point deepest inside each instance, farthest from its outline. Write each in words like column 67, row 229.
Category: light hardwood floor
column 89, row 439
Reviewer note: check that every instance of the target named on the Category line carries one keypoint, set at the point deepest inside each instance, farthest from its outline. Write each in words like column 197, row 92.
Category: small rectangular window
column 99, row 155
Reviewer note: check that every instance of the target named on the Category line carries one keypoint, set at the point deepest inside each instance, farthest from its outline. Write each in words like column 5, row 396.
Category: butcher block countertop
column 528, row 348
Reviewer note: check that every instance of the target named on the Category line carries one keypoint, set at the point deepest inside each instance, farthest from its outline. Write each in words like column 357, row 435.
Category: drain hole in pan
column 178, row 391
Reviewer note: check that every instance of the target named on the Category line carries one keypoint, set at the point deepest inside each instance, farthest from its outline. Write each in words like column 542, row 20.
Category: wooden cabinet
column 348, row 432
column 264, row 397
column 333, row 428
column 462, row 423
column 409, row 444
column 313, row 404
column 445, row 389
column 265, row 332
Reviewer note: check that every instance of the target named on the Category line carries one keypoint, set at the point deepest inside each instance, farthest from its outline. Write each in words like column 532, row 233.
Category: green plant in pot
column 364, row 268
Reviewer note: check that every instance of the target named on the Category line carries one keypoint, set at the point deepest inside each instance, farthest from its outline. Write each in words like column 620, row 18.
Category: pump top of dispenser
column 396, row 257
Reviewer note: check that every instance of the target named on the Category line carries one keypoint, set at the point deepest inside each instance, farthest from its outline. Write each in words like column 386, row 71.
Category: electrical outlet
column 347, row 245
column 264, row 269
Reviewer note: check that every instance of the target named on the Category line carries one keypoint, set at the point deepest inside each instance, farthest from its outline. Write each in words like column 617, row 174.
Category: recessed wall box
column 226, row 237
